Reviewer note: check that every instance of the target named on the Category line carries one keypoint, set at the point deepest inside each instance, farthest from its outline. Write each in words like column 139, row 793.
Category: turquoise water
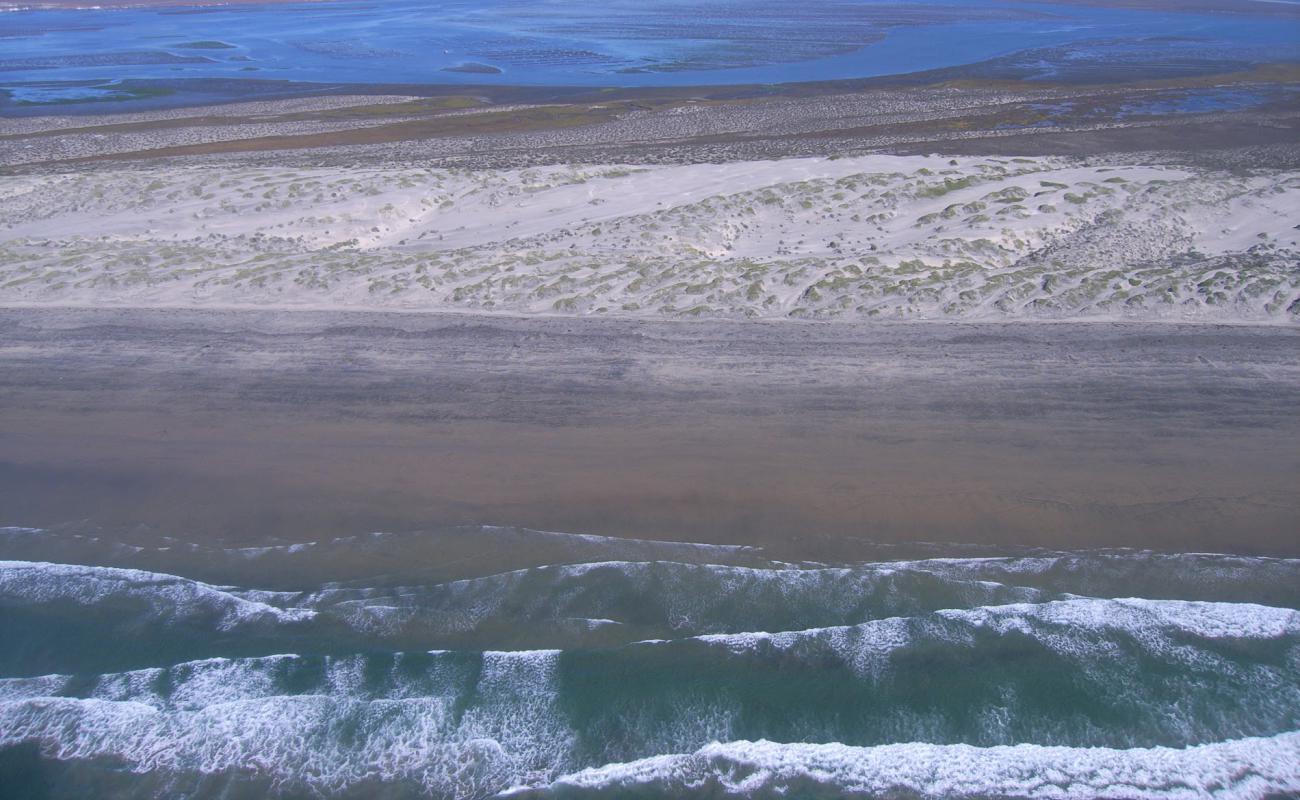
column 570, row 666
column 73, row 55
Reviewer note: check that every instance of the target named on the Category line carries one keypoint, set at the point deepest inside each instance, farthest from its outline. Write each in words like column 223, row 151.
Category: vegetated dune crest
column 849, row 238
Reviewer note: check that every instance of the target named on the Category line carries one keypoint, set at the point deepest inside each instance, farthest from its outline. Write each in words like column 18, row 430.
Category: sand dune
column 852, row 238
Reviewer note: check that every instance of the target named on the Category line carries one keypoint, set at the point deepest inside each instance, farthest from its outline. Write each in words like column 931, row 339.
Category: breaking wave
column 642, row 669
column 1243, row 768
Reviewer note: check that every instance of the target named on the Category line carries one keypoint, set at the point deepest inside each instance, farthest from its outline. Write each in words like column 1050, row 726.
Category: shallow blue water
column 623, row 43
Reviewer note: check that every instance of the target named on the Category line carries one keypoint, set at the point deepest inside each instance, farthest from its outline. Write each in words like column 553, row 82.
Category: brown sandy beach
column 250, row 426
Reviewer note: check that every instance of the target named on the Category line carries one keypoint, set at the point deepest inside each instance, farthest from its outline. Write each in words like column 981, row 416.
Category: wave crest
column 1243, row 769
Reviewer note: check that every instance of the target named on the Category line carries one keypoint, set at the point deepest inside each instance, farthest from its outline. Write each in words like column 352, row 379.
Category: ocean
column 545, row 664
column 82, row 55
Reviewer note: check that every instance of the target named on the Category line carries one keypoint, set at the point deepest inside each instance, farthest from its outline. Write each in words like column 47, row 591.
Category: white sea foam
column 469, row 724
column 1089, row 633
column 39, row 686
column 453, row 727
column 419, row 741
column 370, row 561
column 454, row 734
column 1202, row 619
column 1112, row 648
column 1127, row 615
column 292, row 740
column 164, row 598
column 196, row 684
column 1243, row 769
column 681, row 598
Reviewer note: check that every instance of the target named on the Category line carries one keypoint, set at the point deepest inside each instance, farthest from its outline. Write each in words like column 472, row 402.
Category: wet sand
column 249, row 427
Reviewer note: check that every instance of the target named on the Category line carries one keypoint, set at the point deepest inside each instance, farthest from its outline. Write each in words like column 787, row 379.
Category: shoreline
column 513, row 316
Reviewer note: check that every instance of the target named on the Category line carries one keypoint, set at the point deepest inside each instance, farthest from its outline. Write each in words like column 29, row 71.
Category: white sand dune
column 874, row 236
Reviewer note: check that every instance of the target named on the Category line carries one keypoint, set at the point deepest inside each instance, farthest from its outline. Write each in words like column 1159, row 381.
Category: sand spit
column 890, row 237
